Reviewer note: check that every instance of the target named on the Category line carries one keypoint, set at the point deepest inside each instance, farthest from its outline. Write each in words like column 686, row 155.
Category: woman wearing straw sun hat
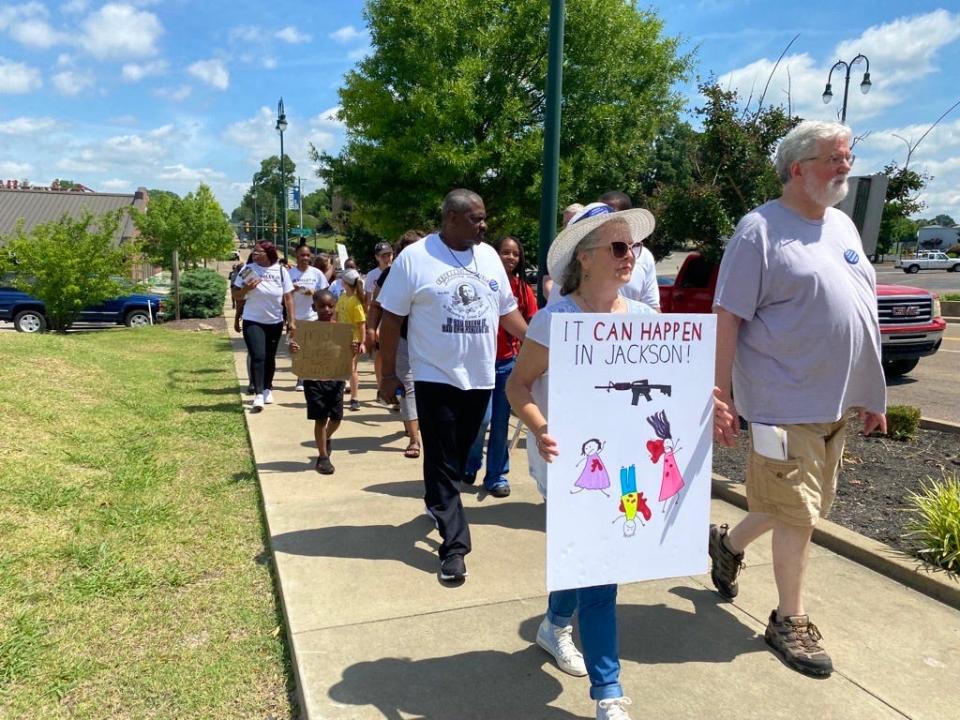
column 590, row 260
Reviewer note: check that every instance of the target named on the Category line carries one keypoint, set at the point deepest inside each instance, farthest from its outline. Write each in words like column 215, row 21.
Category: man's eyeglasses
column 834, row 159
column 620, row 249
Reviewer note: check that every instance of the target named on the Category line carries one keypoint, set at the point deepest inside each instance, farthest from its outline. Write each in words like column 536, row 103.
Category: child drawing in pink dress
column 672, row 482
column 594, row 475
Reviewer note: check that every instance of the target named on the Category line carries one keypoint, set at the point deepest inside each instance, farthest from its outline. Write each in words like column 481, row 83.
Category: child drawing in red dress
column 672, row 482
column 594, row 475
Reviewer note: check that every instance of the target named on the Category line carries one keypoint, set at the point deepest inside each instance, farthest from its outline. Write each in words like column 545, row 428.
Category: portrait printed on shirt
column 470, row 301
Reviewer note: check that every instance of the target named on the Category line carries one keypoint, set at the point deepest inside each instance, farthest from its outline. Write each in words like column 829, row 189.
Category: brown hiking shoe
column 797, row 641
column 726, row 565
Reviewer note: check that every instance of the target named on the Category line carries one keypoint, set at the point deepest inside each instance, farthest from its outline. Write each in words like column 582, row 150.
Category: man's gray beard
column 827, row 195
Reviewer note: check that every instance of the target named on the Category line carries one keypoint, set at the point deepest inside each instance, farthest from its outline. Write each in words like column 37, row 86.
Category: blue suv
column 28, row 314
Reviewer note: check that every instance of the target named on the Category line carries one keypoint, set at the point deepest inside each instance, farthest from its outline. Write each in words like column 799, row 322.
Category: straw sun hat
column 594, row 215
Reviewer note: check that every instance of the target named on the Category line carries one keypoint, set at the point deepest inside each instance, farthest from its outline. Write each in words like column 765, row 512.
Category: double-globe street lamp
column 865, row 84
column 281, row 126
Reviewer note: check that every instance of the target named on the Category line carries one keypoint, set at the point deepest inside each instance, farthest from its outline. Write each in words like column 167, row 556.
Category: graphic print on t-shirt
column 467, row 303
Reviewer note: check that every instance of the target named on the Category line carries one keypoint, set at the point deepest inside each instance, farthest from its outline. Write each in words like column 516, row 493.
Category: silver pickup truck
column 928, row 261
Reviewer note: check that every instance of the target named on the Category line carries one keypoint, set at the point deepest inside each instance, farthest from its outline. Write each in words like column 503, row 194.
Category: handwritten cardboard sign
column 325, row 350
column 631, row 407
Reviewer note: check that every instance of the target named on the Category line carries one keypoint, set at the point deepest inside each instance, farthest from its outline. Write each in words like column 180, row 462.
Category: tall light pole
column 281, row 126
column 865, row 84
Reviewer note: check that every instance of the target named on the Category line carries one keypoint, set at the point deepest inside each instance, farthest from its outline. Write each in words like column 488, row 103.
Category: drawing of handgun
column 638, row 388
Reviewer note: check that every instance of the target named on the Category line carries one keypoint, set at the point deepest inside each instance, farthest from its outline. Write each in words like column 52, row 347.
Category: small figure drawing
column 594, row 475
column 631, row 501
column 672, row 482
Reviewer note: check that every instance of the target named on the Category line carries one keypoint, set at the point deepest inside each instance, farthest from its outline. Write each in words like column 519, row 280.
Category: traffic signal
column 274, row 227
column 246, row 227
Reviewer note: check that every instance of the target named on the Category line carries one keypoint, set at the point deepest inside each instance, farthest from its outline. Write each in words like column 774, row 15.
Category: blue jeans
column 497, row 418
column 596, row 609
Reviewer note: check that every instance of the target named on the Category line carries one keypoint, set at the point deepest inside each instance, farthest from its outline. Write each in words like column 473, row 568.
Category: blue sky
column 169, row 93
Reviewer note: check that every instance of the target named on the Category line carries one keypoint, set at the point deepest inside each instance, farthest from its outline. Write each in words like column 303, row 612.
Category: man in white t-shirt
column 307, row 281
column 643, row 282
column 798, row 348
column 454, row 292
column 384, row 254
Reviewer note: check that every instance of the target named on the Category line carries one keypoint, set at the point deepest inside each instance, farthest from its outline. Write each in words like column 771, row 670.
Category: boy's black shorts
column 324, row 399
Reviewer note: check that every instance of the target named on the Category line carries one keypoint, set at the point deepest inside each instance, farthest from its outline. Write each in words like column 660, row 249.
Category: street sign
column 301, row 232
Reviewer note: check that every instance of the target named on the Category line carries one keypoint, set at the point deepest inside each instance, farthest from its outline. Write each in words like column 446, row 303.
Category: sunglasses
column 620, row 249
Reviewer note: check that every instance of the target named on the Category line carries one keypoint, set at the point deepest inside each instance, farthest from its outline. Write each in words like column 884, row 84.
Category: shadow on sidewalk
column 659, row 635
column 486, row 685
column 402, row 543
column 359, row 445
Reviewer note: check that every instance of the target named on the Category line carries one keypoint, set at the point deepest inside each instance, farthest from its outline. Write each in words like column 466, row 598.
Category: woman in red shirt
column 498, row 411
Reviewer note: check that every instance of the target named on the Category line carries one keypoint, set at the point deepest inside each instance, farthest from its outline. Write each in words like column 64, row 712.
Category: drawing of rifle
column 638, row 388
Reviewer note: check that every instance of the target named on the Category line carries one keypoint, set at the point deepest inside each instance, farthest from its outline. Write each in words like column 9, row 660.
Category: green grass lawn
column 134, row 577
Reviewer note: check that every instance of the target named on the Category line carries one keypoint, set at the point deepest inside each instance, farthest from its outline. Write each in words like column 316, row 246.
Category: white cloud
column 270, row 63
column 116, row 184
column 135, row 72
column 900, row 52
column 117, row 30
column 72, row 83
column 213, row 72
column 181, row 92
column 126, row 120
column 349, row 34
column 18, row 78
column 291, row 35
column 64, row 60
column 27, row 125
column 11, row 15
column 36, row 33
column 11, row 170
column 72, row 165
column 359, row 53
column 246, row 34
column 197, row 175
column 258, row 136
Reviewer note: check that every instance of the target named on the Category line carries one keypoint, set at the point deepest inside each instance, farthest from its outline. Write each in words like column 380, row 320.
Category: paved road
column 932, row 385
column 939, row 281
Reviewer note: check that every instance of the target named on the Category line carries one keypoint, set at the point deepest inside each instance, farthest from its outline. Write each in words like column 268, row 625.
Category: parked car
column 928, row 261
column 28, row 314
column 911, row 325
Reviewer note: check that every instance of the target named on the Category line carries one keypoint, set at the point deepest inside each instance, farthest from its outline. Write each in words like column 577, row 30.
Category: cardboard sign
column 631, row 408
column 325, row 350
column 342, row 255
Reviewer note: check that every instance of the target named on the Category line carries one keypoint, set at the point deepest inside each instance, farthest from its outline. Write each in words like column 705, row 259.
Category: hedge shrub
column 202, row 292
column 902, row 422
column 936, row 522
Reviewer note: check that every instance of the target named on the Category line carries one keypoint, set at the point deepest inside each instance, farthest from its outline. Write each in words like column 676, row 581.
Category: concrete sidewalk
column 374, row 634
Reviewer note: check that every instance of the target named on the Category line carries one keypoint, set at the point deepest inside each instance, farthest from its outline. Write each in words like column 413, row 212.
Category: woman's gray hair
column 573, row 275
column 801, row 143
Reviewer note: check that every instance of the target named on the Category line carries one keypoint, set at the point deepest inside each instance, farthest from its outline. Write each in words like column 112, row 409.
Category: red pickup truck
column 911, row 326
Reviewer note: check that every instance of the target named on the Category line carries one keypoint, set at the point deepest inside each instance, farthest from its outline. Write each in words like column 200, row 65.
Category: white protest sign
column 631, row 407
column 342, row 254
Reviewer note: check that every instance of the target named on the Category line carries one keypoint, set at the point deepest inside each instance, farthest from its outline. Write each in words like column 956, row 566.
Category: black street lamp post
column 281, row 126
column 865, row 84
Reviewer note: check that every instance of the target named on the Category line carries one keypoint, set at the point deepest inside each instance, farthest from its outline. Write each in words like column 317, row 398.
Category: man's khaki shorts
column 801, row 489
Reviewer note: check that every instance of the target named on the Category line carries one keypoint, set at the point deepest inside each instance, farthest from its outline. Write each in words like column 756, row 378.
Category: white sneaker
column 299, row 387
column 613, row 709
column 267, row 397
column 558, row 641
column 257, row 405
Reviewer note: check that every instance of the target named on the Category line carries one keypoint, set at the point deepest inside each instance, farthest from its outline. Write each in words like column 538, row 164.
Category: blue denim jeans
column 596, row 609
column 497, row 418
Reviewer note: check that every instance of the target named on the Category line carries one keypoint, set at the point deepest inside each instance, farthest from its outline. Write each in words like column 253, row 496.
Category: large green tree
column 452, row 95
column 903, row 189
column 70, row 264
column 195, row 227
column 730, row 172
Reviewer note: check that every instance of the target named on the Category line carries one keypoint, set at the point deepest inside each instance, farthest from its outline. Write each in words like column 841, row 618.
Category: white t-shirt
column 310, row 279
column 539, row 332
column 643, row 282
column 264, row 304
column 642, row 286
column 370, row 281
column 454, row 301
column 808, row 349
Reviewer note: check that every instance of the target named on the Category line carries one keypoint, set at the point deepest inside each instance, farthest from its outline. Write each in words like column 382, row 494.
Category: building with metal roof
column 35, row 206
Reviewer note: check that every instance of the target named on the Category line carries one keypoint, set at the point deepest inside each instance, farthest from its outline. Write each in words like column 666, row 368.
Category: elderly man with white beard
column 798, row 350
